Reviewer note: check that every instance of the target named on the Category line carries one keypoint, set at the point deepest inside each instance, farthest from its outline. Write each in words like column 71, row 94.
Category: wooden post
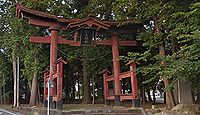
column 116, row 68
column 59, row 102
column 53, row 50
column 105, row 85
column 134, row 85
column 53, row 57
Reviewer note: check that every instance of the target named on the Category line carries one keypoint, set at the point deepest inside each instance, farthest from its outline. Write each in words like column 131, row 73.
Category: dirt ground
column 157, row 109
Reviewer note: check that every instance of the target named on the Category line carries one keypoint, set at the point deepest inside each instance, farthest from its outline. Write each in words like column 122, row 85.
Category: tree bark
column 86, row 80
column 4, row 91
column 170, row 102
column 78, row 89
column 34, row 88
column 14, row 62
column 1, row 95
column 198, row 98
column 174, row 48
column 39, row 93
column 154, row 96
column 169, row 96
column 86, row 85
column 149, row 95
column 73, row 89
column 28, row 91
column 144, row 100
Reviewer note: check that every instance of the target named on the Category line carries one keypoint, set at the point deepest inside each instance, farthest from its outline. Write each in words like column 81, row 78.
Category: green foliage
column 187, row 32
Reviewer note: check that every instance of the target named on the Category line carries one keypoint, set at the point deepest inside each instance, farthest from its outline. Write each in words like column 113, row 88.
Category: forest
column 167, row 52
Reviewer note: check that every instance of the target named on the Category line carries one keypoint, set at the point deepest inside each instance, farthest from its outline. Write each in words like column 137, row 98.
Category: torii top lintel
column 38, row 18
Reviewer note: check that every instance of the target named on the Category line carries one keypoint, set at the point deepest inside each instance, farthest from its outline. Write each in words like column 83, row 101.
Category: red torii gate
column 57, row 83
column 55, row 24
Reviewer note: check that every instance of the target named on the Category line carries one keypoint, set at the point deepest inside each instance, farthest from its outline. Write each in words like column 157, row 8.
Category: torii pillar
column 53, row 57
column 116, row 68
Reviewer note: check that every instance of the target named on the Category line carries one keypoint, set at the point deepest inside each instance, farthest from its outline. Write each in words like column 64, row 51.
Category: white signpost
column 48, row 86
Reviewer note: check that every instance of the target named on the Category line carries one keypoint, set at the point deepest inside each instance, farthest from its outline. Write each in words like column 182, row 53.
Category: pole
column 53, row 58
column 116, row 68
column 48, row 87
column 17, row 82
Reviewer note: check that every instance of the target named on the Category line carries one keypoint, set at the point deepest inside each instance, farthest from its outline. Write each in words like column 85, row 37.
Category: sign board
column 50, row 83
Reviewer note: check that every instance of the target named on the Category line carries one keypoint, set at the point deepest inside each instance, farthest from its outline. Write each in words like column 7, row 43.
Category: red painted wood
column 110, row 97
column 126, row 97
column 38, row 22
column 116, row 64
column 124, row 75
column 105, row 85
column 55, row 98
column 53, row 55
column 59, row 80
column 53, row 50
column 46, row 39
column 54, row 87
column 127, row 43
column 110, row 78
column 134, row 81
column 61, row 40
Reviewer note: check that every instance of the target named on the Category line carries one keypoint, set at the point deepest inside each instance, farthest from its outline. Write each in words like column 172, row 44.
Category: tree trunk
column 14, row 62
column 149, row 95
column 28, row 91
column 39, row 95
column 198, row 98
column 1, row 95
column 78, row 88
column 170, row 102
column 86, row 87
column 169, row 96
column 73, row 89
column 66, row 93
column 154, row 96
column 93, row 89
column 144, row 100
column 174, row 50
column 86, row 79
column 4, row 91
column 34, row 88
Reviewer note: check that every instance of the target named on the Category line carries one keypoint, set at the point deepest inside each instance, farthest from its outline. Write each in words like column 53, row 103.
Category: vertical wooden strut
column 105, row 84
column 134, row 85
column 59, row 103
column 53, row 56
column 116, row 68
column 53, row 50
